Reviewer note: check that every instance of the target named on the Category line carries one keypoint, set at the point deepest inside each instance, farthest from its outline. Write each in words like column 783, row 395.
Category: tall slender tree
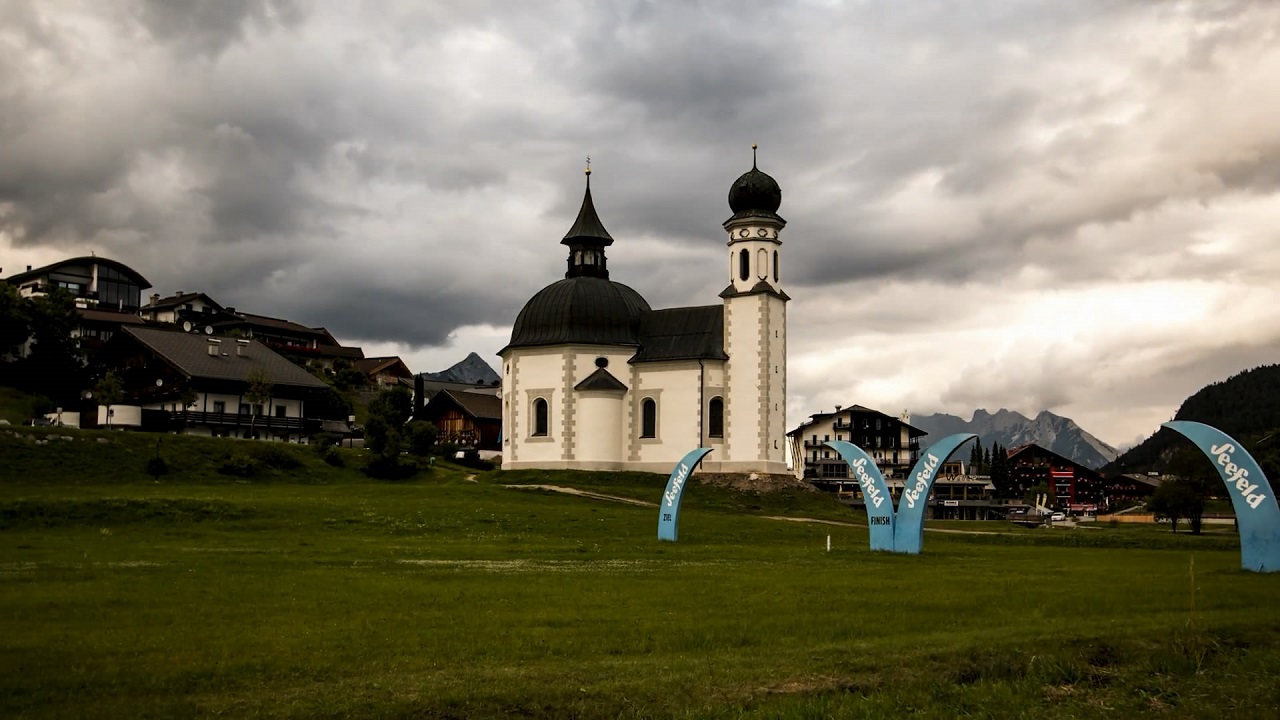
column 258, row 394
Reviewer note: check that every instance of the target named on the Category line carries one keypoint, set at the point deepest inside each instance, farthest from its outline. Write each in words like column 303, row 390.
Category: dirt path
column 642, row 503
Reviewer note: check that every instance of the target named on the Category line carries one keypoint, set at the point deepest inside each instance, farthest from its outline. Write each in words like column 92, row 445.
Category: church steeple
column 587, row 240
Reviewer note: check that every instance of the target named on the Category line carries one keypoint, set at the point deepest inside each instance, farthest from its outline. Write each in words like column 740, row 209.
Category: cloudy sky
column 1071, row 206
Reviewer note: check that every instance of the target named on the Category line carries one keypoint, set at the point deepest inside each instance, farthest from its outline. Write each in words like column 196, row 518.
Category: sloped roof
column 849, row 410
column 180, row 299
column 189, row 354
column 688, row 333
column 91, row 259
column 601, row 379
column 477, row 405
column 110, row 316
column 243, row 318
column 371, row 366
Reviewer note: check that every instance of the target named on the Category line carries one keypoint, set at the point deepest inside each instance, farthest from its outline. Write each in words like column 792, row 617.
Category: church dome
column 583, row 310
column 755, row 193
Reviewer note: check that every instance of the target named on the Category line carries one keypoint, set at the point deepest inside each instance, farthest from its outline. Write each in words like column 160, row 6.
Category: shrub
column 156, row 467
column 333, row 457
column 447, row 450
column 275, row 455
column 422, row 436
column 384, row 468
column 322, row 442
column 471, row 458
column 239, row 465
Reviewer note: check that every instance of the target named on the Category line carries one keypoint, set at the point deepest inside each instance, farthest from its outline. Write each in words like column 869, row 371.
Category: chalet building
column 157, row 367
column 107, row 294
column 466, row 419
column 385, row 371
column 891, row 441
column 1127, row 490
column 1077, row 487
column 191, row 311
column 593, row 378
column 302, row 344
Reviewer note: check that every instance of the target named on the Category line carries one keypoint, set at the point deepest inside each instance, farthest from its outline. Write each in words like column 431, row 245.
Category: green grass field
column 315, row 592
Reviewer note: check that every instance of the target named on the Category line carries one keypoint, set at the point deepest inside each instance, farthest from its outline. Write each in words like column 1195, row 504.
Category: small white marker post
column 828, row 543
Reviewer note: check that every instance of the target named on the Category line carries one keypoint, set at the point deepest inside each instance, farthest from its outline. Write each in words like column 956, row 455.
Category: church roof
column 581, row 310
column 601, row 379
column 687, row 333
column 587, row 229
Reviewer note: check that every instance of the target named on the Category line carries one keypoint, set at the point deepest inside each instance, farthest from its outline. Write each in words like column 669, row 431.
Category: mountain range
column 471, row 370
column 1011, row 429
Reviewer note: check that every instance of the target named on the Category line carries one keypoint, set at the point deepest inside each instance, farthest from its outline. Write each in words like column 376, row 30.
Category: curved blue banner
column 669, row 506
column 909, row 533
column 1257, row 513
column 875, row 493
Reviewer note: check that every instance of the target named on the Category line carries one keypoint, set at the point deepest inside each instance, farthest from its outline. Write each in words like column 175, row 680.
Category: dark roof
column 587, row 229
column 850, row 409
column 342, row 351
column 601, row 379
column 478, row 406
column 755, row 194
column 1034, row 449
column 687, row 333
column 110, row 316
column 91, row 259
column 584, row 310
column 757, row 289
column 371, row 366
column 180, row 299
column 264, row 321
column 431, row 387
column 189, row 354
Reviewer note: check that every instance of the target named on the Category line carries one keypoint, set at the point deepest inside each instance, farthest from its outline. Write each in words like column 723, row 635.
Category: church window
column 775, row 266
column 648, row 418
column 744, row 265
column 715, row 419
column 540, row 417
column 762, row 262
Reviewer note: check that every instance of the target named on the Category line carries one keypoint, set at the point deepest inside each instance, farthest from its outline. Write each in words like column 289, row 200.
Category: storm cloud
column 1064, row 206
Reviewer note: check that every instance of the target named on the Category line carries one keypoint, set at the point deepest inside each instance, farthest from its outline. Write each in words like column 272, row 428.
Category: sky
column 1063, row 206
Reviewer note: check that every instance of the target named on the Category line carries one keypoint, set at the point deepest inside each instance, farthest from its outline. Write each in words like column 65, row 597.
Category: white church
column 595, row 379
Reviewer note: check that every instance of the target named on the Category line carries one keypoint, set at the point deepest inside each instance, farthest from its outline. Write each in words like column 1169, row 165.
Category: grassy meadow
column 311, row 591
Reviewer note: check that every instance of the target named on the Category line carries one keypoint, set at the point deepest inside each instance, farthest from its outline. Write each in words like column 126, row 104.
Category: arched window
column 744, row 265
column 540, row 418
column 775, row 266
column 648, row 418
column 715, row 417
column 762, row 262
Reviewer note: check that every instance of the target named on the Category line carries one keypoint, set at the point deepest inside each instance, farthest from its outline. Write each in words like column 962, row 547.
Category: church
column 595, row 379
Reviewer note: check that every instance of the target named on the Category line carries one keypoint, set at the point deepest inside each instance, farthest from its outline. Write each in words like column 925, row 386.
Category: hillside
column 1011, row 429
column 1245, row 404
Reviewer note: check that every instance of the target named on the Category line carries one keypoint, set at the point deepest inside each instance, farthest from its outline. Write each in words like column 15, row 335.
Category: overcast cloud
column 1034, row 205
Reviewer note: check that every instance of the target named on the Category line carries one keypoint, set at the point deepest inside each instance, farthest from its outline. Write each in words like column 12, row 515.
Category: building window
column 744, row 265
column 826, row 438
column 540, row 417
column 715, row 417
column 648, row 418
column 280, row 411
column 775, row 266
column 762, row 262
column 219, row 406
column 244, row 408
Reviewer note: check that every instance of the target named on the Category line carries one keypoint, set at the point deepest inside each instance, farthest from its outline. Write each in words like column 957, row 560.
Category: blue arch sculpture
column 909, row 535
column 669, row 506
column 875, row 493
column 1257, row 513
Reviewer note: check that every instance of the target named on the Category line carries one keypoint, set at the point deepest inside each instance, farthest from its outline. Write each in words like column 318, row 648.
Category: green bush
column 322, row 442
column 471, row 458
column 384, row 468
column 422, row 437
column 156, row 467
column 239, row 465
column 275, row 455
column 447, row 450
column 334, row 458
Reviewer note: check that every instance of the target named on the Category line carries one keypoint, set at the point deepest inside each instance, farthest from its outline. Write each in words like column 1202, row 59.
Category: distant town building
column 1076, row 487
column 891, row 441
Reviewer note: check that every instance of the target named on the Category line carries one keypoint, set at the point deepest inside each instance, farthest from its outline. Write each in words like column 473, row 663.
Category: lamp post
column 351, row 431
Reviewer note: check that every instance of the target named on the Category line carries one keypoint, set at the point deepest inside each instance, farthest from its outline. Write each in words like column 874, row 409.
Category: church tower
column 755, row 329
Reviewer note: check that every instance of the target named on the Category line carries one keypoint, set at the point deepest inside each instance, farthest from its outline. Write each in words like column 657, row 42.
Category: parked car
column 1057, row 517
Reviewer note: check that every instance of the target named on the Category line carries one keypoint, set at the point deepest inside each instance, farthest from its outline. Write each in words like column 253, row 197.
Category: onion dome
column 580, row 310
column 755, row 194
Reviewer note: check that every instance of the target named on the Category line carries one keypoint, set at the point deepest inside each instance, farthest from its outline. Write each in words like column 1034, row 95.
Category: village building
column 1076, row 487
column 594, row 378
column 891, row 441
